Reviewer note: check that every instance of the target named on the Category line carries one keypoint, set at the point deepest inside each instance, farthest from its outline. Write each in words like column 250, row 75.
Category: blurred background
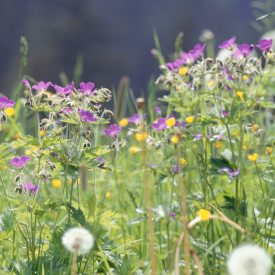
column 112, row 39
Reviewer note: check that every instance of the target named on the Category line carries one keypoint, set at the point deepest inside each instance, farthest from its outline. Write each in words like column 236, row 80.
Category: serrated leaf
column 27, row 141
column 7, row 221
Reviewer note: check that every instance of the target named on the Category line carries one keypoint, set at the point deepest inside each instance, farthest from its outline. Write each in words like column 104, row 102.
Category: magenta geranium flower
column 229, row 172
column 5, row 103
column 67, row 111
column 160, row 125
column 198, row 50
column 188, row 58
column 265, row 44
column 137, row 118
column 42, row 86
column 245, row 49
column 100, row 159
column 113, row 130
column 25, row 82
column 172, row 214
column 237, row 55
column 87, row 89
column 29, row 187
column 157, row 110
column 228, row 44
column 174, row 66
column 220, row 137
column 224, row 113
column 65, row 92
column 176, row 169
column 87, row 116
column 20, row 162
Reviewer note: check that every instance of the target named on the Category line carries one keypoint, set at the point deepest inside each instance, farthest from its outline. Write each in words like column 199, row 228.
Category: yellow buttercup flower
column 244, row 147
column 245, row 77
column 15, row 147
column 133, row 149
column 108, row 195
column 9, row 111
column 183, row 70
column 204, row 214
column 171, row 122
column 253, row 157
column 16, row 135
column 189, row 119
column 42, row 133
column 255, row 127
column 142, row 136
column 182, row 161
column 4, row 167
column 240, row 94
column 218, row 144
column 179, row 88
column 28, row 152
column 268, row 150
column 56, row 183
column 175, row 139
column 49, row 93
column 123, row 122
column 211, row 83
column 235, row 133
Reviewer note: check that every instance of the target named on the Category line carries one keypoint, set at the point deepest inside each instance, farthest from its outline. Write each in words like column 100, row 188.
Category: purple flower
column 188, row 58
column 5, row 103
column 87, row 116
column 198, row 50
column 29, row 187
column 172, row 214
column 229, row 171
column 160, row 125
column 113, row 130
column 20, row 162
column 153, row 165
column 177, row 124
column 245, row 49
column 100, row 159
column 67, row 111
column 65, row 92
column 237, row 55
column 199, row 198
column 68, row 155
column 87, row 89
column 228, row 76
column 224, row 113
column 42, row 86
column 157, row 110
column 183, row 124
column 26, row 82
column 228, row 44
column 176, row 168
column 54, row 154
column 207, row 135
column 174, row 66
column 198, row 136
column 265, row 44
column 219, row 137
column 137, row 118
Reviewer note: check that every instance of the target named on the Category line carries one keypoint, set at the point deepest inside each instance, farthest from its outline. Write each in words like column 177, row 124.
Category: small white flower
column 249, row 259
column 78, row 239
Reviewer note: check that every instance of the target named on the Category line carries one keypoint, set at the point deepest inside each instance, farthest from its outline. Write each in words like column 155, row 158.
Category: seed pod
column 86, row 144
column 17, row 178
column 28, row 103
column 108, row 113
column 52, row 166
column 18, row 188
column 52, row 116
column 4, row 117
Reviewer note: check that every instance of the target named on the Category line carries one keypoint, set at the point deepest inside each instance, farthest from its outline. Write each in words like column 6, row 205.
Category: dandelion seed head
column 249, row 259
column 78, row 239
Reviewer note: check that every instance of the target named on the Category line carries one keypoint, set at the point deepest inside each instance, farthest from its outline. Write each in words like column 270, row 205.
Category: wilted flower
column 229, row 171
column 19, row 162
column 87, row 89
column 253, row 157
column 78, row 240
column 160, row 125
column 6, row 103
column 87, row 116
column 265, row 44
column 137, row 118
column 249, row 259
column 42, row 86
column 228, row 44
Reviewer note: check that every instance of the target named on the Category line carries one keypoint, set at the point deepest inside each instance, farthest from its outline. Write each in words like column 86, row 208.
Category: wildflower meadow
column 178, row 182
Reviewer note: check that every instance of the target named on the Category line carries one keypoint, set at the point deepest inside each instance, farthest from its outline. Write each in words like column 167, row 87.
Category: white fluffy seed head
column 78, row 239
column 249, row 259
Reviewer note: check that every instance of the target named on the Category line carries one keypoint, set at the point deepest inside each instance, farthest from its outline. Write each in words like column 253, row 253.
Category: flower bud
column 52, row 166
column 140, row 103
column 82, row 134
column 108, row 113
column 93, row 101
column 28, row 103
column 18, row 188
column 52, row 116
column 4, row 117
column 17, row 178
column 44, row 174
column 86, row 144
column 257, row 106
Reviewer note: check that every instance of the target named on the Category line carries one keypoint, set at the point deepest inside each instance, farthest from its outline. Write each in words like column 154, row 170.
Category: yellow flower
column 49, row 93
column 56, row 183
column 108, row 195
column 255, row 127
column 34, row 149
column 15, row 147
column 133, row 149
column 25, row 92
column 9, row 111
column 245, row 77
column 182, row 219
column 171, row 122
column 189, row 119
column 240, row 94
column 235, row 133
column 28, row 152
column 211, row 83
column 4, row 167
column 218, row 144
column 183, row 70
column 16, row 135
column 182, row 161
column 175, row 139
column 179, row 88
column 123, row 122
column 253, row 157
column 204, row 214
column 244, row 147
column 142, row 136
column 42, row 133
column 268, row 150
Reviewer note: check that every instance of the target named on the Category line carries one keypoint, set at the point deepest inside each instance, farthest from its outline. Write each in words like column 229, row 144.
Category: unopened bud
column 86, row 144
column 52, row 116
column 4, row 117
column 257, row 106
column 52, row 166
column 18, row 188
column 44, row 174
column 17, row 178
column 140, row 103
column 93, row 101
column 109, row 113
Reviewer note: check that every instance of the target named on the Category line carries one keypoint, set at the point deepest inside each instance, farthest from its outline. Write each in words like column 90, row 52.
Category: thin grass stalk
column 148, row 204
column 197, row 260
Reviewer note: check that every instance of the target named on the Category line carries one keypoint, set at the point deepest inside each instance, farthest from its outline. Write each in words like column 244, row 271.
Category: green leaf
column 218, row 163
column 7, row 221
column 266, row 15
column 5, row 153
column 268, row 104
column 27, row 141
